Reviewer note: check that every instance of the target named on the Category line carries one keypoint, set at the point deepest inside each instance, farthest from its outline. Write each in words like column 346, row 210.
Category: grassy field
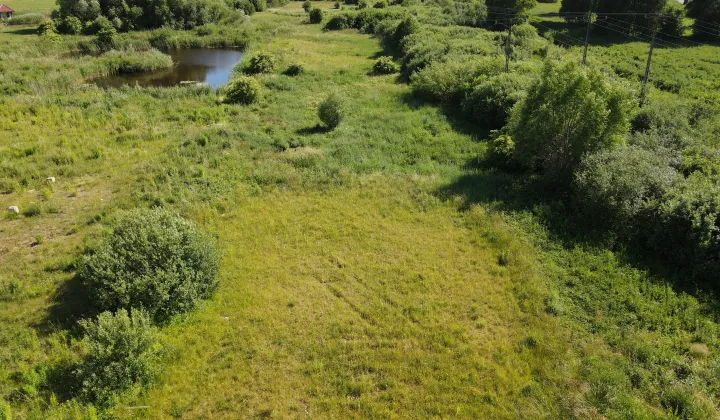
column 372, row 271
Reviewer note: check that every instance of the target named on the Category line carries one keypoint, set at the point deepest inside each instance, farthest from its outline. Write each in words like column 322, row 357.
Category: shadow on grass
column 70, row 303
column 567, row 224
column 23, row 31
column 316, row 129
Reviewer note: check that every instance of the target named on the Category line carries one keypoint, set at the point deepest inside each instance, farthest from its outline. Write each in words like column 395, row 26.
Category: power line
column 639, row 36
column 662, row 33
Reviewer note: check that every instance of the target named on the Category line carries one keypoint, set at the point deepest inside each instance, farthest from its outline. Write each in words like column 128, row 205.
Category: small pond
column 204, row 65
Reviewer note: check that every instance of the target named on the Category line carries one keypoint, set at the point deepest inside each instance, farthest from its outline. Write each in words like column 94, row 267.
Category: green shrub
column 614, row 187
column 385, row 65
column 106, row 38
column 316, row 15
column 98, row 24
column 568, row 113
column 294, row 70
column 501, row 149
column 307, row 6
column 491, row 99
column 243, row 90
column 69, row 25
column 46, row 28
column 331, row 111
column 153, row 260
column 688, row 232
column 121, row 353
column 262, row 62
column 26, row 19
column 445, row 81
column 336, row 5
column 380, row 5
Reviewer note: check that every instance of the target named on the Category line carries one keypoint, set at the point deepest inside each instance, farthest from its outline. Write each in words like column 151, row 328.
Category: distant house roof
column 5, row 9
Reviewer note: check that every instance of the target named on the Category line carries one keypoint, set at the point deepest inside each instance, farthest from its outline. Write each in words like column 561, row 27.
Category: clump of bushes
column 294, row 70
column 122, row 352
column 153, row 260
column 445, row 81
column 262, row 62
column 243, row 90
column 331, row 111
column 491, row 99
column 152, row 14
column 385, row 65
column 307, row 6
column 316, row 15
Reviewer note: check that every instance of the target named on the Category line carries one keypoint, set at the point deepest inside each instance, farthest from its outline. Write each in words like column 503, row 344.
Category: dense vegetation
column 406, row 227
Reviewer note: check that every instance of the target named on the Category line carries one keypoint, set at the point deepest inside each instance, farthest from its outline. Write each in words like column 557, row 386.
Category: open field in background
column 26, row 6
column 370, row 271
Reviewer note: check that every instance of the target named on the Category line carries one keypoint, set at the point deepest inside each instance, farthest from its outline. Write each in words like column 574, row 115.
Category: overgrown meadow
column 409, row 251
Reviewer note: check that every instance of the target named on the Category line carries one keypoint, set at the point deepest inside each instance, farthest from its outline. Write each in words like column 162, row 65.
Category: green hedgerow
column 316, row 15
column 121, row 352
column 261, row 63
column 331, row 111
column 243, row 90
column 385, row 65
column 153, row 260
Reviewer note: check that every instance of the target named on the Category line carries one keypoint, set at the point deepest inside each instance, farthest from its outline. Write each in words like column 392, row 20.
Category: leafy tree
column 640, row 20
column 502, row 10
column 707, row 13
column 570, row 112
column 121, row 352
column 307, row 6
column 153, row 260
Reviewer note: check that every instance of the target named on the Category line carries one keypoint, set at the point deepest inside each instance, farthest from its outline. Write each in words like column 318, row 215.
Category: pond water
column 204, row 65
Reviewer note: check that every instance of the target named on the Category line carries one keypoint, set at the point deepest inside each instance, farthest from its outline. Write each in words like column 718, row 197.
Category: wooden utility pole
column 643, row 92
column 507, row 49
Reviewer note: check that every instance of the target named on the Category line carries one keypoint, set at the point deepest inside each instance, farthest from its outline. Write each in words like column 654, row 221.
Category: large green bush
column 121, row 353
column 688, row 231
column 331, row 111
column 262, row 62
column 153, row 260
column 316, row 15
column 491, row 99
column 614, row 187
column 243, row 90
column 569, row 112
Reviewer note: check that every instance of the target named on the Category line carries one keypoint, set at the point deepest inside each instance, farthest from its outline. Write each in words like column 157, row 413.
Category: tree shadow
column 451, row 110
column 316, row 129
column 70, row 303
column 567, row 223
column 23, row 31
